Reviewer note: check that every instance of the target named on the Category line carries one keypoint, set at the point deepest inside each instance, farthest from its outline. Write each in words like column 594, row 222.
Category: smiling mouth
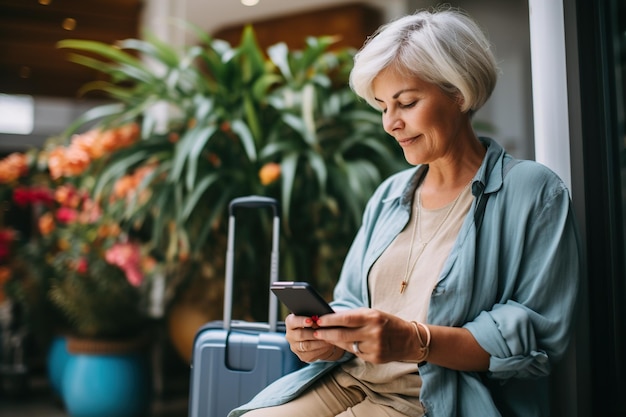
column 408, row 141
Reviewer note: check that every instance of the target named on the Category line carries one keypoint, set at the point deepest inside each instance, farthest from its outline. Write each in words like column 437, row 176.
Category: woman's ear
column 459, row 99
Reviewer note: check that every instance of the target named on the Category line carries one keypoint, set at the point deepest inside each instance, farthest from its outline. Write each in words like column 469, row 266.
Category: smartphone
column 301, row 298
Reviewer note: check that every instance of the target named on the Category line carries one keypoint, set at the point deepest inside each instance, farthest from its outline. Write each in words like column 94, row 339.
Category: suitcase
column 233, row 360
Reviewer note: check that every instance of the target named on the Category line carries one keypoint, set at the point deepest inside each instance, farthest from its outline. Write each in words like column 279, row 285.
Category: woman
column 457, row 294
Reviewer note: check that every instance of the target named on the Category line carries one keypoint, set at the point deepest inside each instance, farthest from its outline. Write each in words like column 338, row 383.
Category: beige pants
column 329, row 398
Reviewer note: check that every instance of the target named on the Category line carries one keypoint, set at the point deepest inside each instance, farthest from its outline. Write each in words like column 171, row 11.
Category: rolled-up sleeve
column 528, row 329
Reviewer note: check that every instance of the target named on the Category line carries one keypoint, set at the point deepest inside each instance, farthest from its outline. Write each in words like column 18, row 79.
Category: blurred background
column 32, row 66
column 41, row 94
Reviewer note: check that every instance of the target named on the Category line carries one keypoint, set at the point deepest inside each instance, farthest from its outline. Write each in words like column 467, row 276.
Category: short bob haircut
column 444, row 47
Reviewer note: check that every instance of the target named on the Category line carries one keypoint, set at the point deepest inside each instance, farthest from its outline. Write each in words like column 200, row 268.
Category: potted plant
column 80, row 274
column 241, row 121
column 186, row 132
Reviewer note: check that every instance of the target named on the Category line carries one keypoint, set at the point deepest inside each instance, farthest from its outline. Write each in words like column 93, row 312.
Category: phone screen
column 301, row 298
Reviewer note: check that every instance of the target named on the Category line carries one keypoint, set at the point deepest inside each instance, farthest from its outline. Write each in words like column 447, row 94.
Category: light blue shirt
column 513, row 284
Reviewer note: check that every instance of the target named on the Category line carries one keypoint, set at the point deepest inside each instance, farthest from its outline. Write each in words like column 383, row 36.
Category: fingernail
column 308, row 321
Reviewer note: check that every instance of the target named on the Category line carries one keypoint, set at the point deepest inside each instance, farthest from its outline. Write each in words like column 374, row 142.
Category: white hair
column 444, row 47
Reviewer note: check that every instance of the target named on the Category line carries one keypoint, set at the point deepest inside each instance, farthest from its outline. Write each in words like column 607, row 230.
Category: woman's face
column 427, row 122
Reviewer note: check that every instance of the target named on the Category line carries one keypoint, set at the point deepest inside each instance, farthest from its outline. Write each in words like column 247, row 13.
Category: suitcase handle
column 253, row 201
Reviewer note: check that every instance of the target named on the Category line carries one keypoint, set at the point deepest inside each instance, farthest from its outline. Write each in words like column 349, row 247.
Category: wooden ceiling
column 31, row 64
column 351, row 23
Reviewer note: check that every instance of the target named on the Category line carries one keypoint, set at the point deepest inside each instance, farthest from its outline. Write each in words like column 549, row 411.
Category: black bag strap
column 482, row 202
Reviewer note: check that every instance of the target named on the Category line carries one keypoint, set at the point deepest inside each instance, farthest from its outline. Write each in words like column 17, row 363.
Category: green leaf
column 217, row 209
column 247, row 140
column 195, row 154
column 308, row 112
column 298, row 125
column 192, row 200
column 251, row 55
column 279, row 54
column 274, row 148
column 118, row 168
column 319, row 167
column 200, row 33
column 154, row 48
column 119, row 93
column 99, row 48
column 262, row 85
column 138, row 211
column 251, row 116
column 92, row 114
column 184, row 149
column 288, row 167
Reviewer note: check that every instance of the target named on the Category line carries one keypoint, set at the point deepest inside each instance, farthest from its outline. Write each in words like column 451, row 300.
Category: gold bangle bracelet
column 424, row 346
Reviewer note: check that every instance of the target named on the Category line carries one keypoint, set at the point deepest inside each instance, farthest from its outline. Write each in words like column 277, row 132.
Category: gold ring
column 302, row 347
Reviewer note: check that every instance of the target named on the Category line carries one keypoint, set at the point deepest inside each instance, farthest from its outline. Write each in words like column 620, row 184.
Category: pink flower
column 91, row 212
column 66, row 215
column 7, row 236
column 42, row 195
column 127, row 257
column 82, row 266
column 24, row 196
column 134, row 276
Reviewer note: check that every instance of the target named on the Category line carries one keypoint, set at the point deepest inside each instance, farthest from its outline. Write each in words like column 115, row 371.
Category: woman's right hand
column 309, row 349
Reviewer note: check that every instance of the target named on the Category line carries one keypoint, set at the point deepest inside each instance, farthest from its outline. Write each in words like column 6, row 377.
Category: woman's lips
column 408, row 141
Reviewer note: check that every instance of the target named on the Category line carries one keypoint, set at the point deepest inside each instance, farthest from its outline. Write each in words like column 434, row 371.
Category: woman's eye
column 409, row 105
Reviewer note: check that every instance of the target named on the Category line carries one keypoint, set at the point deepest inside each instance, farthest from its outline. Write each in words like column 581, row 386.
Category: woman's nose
column 392, row 122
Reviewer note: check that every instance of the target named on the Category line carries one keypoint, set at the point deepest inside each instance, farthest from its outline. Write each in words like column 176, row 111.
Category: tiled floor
column 32, row 396
column 37, row 400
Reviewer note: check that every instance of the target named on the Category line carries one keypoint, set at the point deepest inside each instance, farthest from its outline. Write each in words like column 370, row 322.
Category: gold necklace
column 418, row 224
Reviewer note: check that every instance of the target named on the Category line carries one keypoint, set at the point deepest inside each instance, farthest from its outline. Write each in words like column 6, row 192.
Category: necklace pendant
column 403, row 285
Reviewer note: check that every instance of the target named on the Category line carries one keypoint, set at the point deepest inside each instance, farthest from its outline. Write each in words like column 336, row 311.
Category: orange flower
column 67, row 162
column 77, row 161
column 46, row 224
column 108, row 230
column 269, row 173
column 108, row 140
column 173, row 137
column 214, row 159
column 126, row 186
column 56, row 162
column 67, row 196
column 90, row 143
column 127, row 135
column 225, row 126
column 63, row 244
column 148, row 264
column 5, row 274
column 12, row 167
column 123, row 187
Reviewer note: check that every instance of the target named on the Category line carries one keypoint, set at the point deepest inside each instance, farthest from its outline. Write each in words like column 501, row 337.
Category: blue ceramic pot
column 107, row 385
column 56, row 360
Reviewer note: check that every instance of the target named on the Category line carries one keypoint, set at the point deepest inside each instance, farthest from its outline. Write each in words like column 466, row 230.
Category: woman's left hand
column 372, row 335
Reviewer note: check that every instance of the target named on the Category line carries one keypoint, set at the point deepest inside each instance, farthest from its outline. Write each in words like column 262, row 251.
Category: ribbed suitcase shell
column 233, row 360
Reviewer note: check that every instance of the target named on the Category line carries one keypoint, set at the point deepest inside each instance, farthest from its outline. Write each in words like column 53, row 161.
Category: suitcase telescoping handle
column 251, row 202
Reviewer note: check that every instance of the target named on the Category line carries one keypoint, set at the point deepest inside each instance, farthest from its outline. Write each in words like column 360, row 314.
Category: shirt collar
column 488, row 178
